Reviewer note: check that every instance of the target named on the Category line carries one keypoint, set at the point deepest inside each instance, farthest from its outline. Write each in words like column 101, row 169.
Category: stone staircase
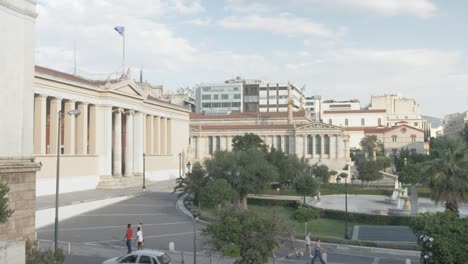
column 119, row 182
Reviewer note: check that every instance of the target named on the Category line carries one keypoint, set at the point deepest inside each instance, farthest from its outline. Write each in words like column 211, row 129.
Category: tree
column 322, row 172
column 305, row 185
column 5, row 211
column 448, row 231
column 246, row 171
column 449, row 172
column 193, row 184
column 278, row 159
column 242, row 235
column 370, row 144
column 248, row 140
column 464, row 134
column 216, row 192
column 245, row 235
column 368, row 171
column 343, row 175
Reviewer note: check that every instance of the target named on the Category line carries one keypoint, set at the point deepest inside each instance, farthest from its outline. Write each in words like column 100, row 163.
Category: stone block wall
column 20, row 175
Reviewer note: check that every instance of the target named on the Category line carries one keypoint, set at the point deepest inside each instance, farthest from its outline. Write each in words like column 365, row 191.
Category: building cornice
column 21, row 9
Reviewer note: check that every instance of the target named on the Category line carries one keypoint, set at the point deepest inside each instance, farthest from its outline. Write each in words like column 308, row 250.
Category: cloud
column 284, row 25
column 186, row 7
column 418, row 8
column 201, row 21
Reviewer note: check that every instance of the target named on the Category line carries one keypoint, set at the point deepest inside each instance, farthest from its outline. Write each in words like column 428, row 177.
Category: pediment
column 319, row 126
column 127, row 88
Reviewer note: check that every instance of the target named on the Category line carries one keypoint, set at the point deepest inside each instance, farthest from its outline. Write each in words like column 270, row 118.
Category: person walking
column 318, row 252
column 142, row 233
column 128, row 237
column 307, row 244
column 292, row 245
column 139, row 238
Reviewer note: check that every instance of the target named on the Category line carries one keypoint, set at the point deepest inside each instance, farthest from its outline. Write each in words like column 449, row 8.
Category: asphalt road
column 97, row 235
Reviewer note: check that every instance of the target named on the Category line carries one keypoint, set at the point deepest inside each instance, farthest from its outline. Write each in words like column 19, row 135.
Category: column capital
column 57, row 99
column 70, row 101
column 83, row 103
column 129, row 112
column 40, row 96
column 117, row 110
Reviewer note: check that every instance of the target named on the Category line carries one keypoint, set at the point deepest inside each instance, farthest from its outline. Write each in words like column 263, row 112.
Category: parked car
column 142, row 256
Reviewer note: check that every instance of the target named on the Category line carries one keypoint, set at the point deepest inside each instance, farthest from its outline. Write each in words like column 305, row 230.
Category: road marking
column 108, row 227
column 156, row 236
column 147, row 205
column 120, row 214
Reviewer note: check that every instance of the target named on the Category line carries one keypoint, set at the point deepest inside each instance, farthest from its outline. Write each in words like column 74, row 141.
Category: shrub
column 271, row 202
column 36, row 256
column 304, row 214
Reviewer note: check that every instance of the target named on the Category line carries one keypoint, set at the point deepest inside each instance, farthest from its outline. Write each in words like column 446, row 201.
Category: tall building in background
column 313, row 104
column 17, row 165
column 241, row 95
column 455, row 123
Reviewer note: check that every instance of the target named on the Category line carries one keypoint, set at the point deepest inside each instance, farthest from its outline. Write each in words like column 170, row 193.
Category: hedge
column 270, row 202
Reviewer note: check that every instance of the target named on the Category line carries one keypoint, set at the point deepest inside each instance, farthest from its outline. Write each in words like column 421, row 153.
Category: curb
column 181, row 208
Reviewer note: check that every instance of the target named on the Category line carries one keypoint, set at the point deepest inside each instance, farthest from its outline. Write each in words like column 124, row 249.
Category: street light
column 338, row 179
column 195, row 214
column 180, row 165
column 189, row 167
column 346, row 199
column 144, row 171
column 74, row 112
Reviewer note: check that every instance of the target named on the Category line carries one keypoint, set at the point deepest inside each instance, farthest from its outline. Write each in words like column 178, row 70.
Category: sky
column 339, row 49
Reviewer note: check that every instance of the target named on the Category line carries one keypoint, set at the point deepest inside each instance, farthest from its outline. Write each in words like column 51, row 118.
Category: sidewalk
column 76, row 203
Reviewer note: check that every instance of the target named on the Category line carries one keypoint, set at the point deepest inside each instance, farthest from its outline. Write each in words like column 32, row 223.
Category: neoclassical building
column 293, row 133
column 103, row 146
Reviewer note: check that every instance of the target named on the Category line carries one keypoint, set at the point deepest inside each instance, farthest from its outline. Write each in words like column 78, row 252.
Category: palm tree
column 449, row 172
column 193, row 184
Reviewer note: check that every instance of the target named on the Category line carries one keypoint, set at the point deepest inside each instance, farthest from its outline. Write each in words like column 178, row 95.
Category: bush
column 363, row 218
column 304, row 214
column 36, row 256
column 271, row 202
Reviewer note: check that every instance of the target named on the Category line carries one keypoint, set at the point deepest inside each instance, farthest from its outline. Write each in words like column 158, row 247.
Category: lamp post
column 144, row 171
column 338, row 179
column 189, row 167
column 195, row 214
column 74, row 112
column 180, row 165
column 346, row 200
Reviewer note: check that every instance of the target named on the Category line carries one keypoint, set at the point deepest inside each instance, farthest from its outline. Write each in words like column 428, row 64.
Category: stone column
column 322, row 146
column 138, row 143
column 197, row 146
column 117, row 142
column 100, row 137
column 40, row 124
column 69, row 128
column 337, row 142
column 229, row 143
column 163, row 136
column 129, row 143
column 314, row 146
column 169, row 137
column 149, row 135
column 157, row 135
column 55, row 107
column 82, row 129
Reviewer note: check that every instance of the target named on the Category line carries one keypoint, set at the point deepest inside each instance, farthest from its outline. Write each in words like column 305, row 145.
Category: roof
column 242, row 127
column 376, row 130
column 71, row 77
column 355, row 111
column 244, row 115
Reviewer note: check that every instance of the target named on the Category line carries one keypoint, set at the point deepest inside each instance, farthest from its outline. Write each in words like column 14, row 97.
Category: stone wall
column 12, row 252
column 20, row 175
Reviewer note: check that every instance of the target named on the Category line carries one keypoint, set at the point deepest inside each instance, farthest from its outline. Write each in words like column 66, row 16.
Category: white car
column 142, row 256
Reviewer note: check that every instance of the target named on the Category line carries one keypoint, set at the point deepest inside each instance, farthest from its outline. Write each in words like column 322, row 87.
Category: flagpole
column 123, row 52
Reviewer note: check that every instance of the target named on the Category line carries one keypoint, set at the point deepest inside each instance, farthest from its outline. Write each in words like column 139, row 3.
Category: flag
column 120, row 29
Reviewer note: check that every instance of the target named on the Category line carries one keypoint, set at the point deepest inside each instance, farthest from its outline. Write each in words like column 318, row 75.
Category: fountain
column 399, row 197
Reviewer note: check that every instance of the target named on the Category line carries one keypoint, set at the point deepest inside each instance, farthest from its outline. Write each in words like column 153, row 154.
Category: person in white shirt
column 307, row 244
column 139, row 239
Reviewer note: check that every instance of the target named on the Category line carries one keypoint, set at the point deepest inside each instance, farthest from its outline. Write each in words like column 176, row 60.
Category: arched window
column 363, row 123
column 346, row 122
column 330, row 121
column 379, row 121
column 394, row 138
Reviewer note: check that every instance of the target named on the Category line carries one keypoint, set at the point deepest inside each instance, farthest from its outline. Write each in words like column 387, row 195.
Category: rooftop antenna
column 141, row 74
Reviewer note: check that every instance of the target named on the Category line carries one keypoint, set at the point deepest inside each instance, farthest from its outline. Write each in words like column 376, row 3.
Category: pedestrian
column 292, row 245
column 139, row 238
column 128, row 237
column 318, row 252
column 141, row 229
column 307, row 244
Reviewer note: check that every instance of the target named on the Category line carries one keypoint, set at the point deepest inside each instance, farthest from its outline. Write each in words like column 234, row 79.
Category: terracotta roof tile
column 355, row 111
column 70, row 77
column 375, row 130
column 245, row 115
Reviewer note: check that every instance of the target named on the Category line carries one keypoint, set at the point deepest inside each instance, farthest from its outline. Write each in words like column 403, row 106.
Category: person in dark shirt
column 128, row 237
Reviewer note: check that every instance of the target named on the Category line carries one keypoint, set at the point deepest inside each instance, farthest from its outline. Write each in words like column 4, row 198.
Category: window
column 129, row 259
column 330, row 121
column 144, row 259
column 327, row 144
column 416, row 124
column 235, row 104
column 394, row 151
column 210, row 145
column 215, row 97
column 363, row 122
column 225, row 96
column 379, row 121
column 394, row 138
column 218, row 143
column 346, row 122
column 226, row 104
column 309, row 144
column 206, row 97
column 215, row 105
column 413, row 150
column 207, row 105
column 278, row 143
column 286, row 144
column 413, row 138
column 237, row 96
column 164, row 259
column 318, row 147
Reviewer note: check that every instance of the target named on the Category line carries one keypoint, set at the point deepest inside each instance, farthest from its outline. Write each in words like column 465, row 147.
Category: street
column 97, row 235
